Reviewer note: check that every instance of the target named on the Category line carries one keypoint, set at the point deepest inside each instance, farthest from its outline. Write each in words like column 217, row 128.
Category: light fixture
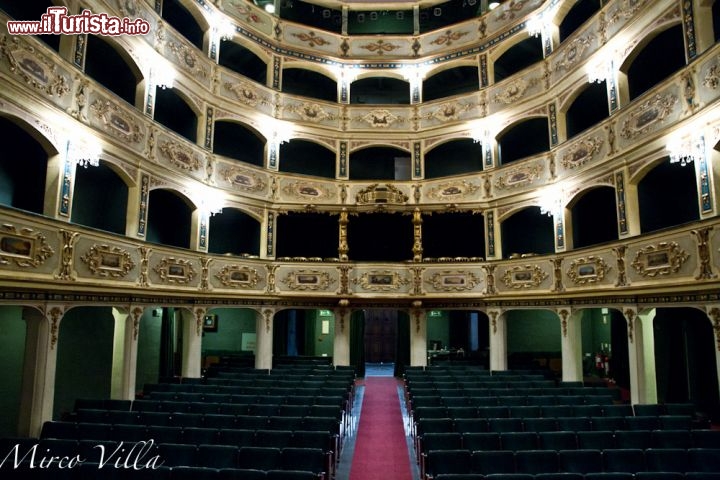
column 684, row 150
column 493, row 5
column 551, row 200
column 600, row 71
column 270, row 8
column 211, row 202
column 83, row 154
column 163, row 75
column 224, row 27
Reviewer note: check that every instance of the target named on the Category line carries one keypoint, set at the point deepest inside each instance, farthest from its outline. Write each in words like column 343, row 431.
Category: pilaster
column 192, row 324
column 418, row 337
column 498, row 340
column 264, row 329
column 341, row 342
column 571, row 344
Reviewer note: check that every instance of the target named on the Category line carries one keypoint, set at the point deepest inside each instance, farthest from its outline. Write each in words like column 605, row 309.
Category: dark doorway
column 380, row 335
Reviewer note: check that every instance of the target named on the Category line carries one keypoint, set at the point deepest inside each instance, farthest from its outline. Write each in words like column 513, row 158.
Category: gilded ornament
column 524, row 276
column 311, row 39
column 662, row 259
column 175, row 270
column 380, row 118
column 381, row 194
column 304, row 280
column 106, row 261
column 237, row 276
column 453, row 281
column 116, row 122
column 381, row 281
column 180, row 156
column 310, row 112
column 587, row 270
column 24, row 247
column 34, row 68
column 380, row 47
column 644, row 117
column 581, row 152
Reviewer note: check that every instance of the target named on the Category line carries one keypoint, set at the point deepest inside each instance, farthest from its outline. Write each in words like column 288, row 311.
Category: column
column 631, row 207
column 264, row 330
column 192, row 322
column 267, row 235
column 343, row 247
column 641, row 352
column 713, row 313
column 38, row 382
column 571, row 344
column 417, row 248
column 341, row 342
column 418, row 337
column 498, row 340
column 54, row 179
column 125, row 349
column 493, row 245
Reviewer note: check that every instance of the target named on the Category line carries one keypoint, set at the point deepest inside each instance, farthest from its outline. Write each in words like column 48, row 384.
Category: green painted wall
column 84, row 357
column 322, row 344
column 533, row 331
column 232, row 323
column 148, row 357
column 12, row 351
column 594, row 331
column 438, row 328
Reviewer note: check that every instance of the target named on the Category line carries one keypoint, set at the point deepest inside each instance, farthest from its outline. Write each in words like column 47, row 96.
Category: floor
column 346, row 455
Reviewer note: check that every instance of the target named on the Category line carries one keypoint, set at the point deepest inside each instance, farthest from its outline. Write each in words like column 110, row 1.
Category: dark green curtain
column 280, row 334
column 402, row 349
column 357, row 342
column 310, row 321
column 167, row 365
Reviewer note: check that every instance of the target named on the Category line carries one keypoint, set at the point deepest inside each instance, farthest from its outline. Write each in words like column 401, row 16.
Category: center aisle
column 381, row 450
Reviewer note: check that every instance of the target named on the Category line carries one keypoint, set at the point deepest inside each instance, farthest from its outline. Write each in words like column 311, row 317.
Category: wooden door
column 380, row 336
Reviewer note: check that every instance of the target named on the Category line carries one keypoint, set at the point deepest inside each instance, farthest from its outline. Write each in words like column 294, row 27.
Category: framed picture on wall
column 210, row 323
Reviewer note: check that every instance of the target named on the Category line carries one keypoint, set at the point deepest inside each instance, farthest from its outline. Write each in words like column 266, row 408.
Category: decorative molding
column 581, row 152
column 308, row 280
column 572, row 53
column 267, row 314
column 136, row 315
column 557, row 275
column 305, row 190
column 714, row 315
column 310, row 112
column 493, row 314
column 311, row 39
column 68, row 250
column 144, row 260
column 525, row 276
column 381, row 194
column 205, row 273
column 243, row 179
column 379, row 118
column 238, row 276
column 490, row 282
column 630, row 314
column 380, row 47
column 518, row 177
column 622, row 273
column 448, row 37
column 702, row 237
column 24, row 247
column 644, row 117
column 55, row 314
column 106, row 261
column 34, row 68
column 180, row 156
column 381, row 281
column 453, row 190
column 188, row 59
column 587, row 270
column 175, row 270
column 116, row 121
column 515, row 90
column 665, row 258
column 453, row 281
column 563, row 313
column 449, row 112
column 247, row 94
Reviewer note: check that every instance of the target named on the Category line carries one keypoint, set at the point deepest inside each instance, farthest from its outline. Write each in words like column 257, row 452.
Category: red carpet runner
column 381, row 451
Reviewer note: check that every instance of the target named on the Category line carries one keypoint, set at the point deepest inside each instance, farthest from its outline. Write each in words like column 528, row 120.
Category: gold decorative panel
column 304, row 280
column 34, row 68
column 644, row 117
column 116, row 122
column 518, row 177
column 381, row 194
column 381, row 281
column 585, row 270
column 243, row 179
column 175, row 270
column 581, row 152
column 453, row 281
column 24, row 247
column 180, row 156
column 106, row 261
column 304, row 190
column 524, row 276
column 453, row 190
column 665, row 258
column 236, row 276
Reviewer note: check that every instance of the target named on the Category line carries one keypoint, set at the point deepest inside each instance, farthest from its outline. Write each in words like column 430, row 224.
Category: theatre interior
column 217, row 231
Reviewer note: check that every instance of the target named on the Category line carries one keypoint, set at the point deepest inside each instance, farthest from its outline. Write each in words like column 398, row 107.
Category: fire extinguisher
column 606, row 364
column 599, row 364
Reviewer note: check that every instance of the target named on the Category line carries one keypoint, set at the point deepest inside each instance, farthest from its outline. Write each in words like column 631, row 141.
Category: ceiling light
column 270, row 8
column 493, row 5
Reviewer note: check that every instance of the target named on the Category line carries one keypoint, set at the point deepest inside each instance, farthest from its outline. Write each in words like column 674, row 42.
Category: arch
column 86, row 332
column 458, row 336
column 176, row 111
column 375, row 89
column 233, row 339
column 579, row 13
column 320, row 241
column 23, row 165
column 657, row 56
column 184, row 17
column 659, row 210
column 41, row 137
column 240, row 141
column 100, row 199
column 164, row 227
column 527, row 231
column 234, row 232
column 104, row 62
column 451, row 81
column 379, row 163
column 512, row 57
column 542, row 347
column 307, row 157
column 581, row 108
column 246, row 59
column 453, row 157
column 305, row 82
column 594, row 216
column 298, row 332
column 526, row 137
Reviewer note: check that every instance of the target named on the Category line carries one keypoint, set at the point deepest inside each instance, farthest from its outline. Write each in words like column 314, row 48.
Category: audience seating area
column 234, row 423
column 472, row 424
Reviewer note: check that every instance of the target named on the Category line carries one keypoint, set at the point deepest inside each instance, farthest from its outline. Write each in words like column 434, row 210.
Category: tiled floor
column 385, row 370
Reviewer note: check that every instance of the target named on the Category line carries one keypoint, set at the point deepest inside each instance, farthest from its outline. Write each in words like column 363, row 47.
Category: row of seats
column 325, row 397
column 209, row 418
column 566, row 440
column 93, row 471
column 186, row 434
column 251, row 389
column 572, row 461
column 507, row 392
column 237, row 404
column 580, row 476
column 491, row 406
column 549, row 424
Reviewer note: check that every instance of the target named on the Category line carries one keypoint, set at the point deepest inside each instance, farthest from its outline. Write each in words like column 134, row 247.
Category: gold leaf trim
column 180, row 156
column 34, row 68
column 24, row 247
column 665, row 258
column 304, row 280
column 106, row 261
column 456, row 189
column 453, row 281
column 236, row 276
column 243, row 179
column 310, row 112
column 380, row 118
column 116, row 122
column 175, row 271
column 518, row 177
column 381, row 281
column 586, row 270
column 643, row 118
column 524, row 276
column 581, row 152
column 381, row 194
